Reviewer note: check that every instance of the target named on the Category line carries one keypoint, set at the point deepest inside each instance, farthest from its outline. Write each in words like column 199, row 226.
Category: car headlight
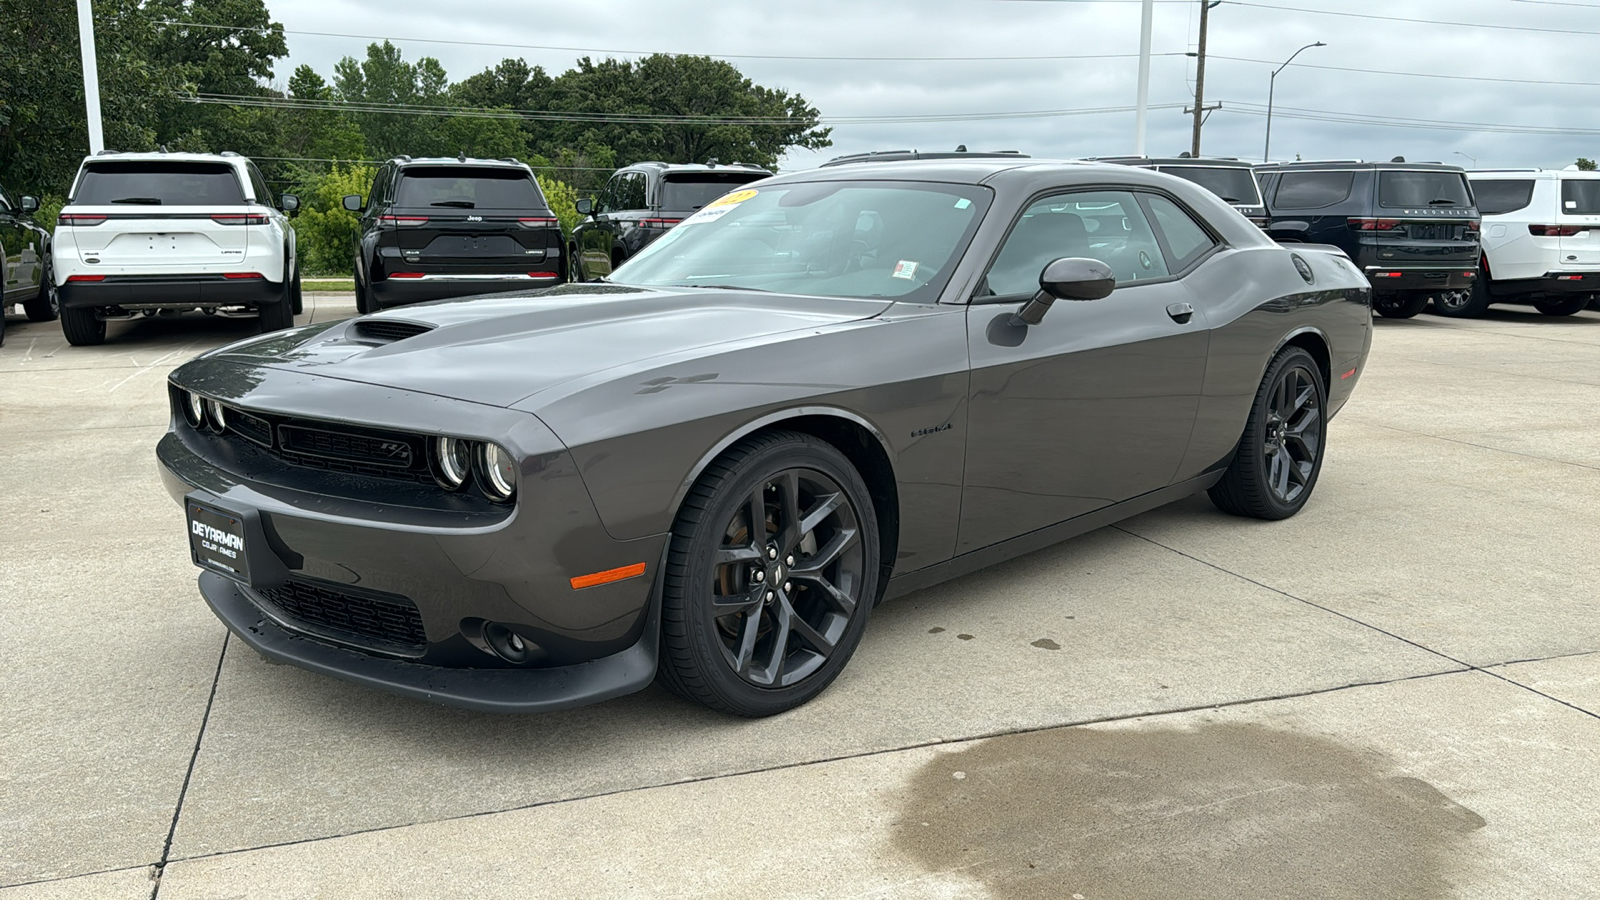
column 499, row 473
column 194, row 409
column 452, row 461
column 216, row 415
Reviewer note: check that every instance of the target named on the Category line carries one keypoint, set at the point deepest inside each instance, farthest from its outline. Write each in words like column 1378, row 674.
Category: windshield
column 1231, row 184
column 686, row 193
column 1440, row 190
column 157, row 183
column 825, row 238
column 1580, row 196
column 463, row 188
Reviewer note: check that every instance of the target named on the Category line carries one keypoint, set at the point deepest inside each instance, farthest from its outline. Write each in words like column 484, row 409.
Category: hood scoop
column 387, row 331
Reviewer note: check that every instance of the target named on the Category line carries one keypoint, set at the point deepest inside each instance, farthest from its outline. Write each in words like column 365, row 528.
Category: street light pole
column 1266, row 152
column 91, row 76
column 1200, row 78
column 1474, row 159
column 1147, row 19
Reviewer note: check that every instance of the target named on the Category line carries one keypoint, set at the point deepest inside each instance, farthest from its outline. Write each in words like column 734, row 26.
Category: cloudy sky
column 1382, row 87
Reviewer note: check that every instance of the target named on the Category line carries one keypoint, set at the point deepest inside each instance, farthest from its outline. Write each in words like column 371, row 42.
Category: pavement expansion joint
column 1440, row 437
column 177, row 811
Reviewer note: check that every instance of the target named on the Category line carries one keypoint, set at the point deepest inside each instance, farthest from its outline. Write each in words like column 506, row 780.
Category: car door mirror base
column 1068, row 278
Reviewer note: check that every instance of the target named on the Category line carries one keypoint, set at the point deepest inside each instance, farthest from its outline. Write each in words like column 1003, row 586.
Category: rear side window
column 465, row 188
column 1312, row 190
column 1232, row 185
column 630, row 191
column 1580, row 197
column 1398, row 190
column 1497, row 197
column 158, row 183
column 690, row 192
column 1186, row 240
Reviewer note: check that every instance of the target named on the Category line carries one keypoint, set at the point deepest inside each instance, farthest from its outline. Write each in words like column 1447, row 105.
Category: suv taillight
column 403, row 221
column 536, row 222
column 1373, row 224
column 659, row 223
column 79, row 219
column 1554, row 230
column 234, row 219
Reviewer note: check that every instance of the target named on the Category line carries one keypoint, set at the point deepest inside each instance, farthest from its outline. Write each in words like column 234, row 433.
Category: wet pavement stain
column 1231, row 811
column 963, row 637
column 935, row 629
column 1045, row 644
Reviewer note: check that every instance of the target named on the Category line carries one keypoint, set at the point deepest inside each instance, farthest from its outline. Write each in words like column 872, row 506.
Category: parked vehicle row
column 24, row 262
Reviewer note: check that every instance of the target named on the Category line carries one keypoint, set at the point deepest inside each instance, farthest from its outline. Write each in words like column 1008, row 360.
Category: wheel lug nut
column 769, row 596
column 772, row 553
column 789, row 560
column 787, row 587
column 761, row 576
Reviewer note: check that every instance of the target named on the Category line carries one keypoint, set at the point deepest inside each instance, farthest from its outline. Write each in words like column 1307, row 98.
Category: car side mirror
column 1068, row 278
column 353, row 202
column 289, row 203
column 585, row 207
column 28, row 204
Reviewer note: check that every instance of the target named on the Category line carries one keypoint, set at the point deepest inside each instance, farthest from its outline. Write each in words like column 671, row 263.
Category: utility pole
column 91, row 76
column 1200, row 107
column 1147, row 19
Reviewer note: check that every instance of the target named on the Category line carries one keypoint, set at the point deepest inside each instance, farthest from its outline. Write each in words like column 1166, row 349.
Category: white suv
column 144, row 233
column 1541, row 241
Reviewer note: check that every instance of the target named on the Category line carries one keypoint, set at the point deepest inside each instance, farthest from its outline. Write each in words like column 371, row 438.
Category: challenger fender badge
column 934, row 430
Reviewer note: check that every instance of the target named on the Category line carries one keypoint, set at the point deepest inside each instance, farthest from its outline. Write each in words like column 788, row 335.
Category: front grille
column 389, row 330
column 393, row 452
column 252, row 428
column 381, row 621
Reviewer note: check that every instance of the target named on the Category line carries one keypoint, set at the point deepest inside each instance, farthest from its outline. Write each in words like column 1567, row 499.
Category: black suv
column 437, row 228
column 24, row 262
column 1231, row 179
column 640, row 203
column 1411, row 227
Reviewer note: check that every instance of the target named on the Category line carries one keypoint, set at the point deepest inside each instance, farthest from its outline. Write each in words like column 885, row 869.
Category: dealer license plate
column 216, row 540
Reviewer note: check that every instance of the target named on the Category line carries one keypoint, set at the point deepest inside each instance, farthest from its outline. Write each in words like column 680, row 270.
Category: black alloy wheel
column 772, row 574
column 1467, row 304
column 1399, row 306
column 1564, row 306
column 47, row 305
column 1280, row 455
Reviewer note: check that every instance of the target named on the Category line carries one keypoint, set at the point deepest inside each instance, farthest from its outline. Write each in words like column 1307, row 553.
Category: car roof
column 667, row 168
column 1355, row 164
column 505, row 163
column 909, row 155
column 1533, row 173
column 1221, row 162
column 978, row 171
column 227, row 156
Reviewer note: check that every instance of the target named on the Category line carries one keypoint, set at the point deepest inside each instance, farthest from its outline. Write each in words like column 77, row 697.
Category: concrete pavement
column 1395, row 693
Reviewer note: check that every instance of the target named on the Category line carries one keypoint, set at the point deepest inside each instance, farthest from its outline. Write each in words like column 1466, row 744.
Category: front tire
column 1280, row 454
column 772, row 573
column 1399, row 306
column 47, row 306
column 1566, row 306
column 82, row 327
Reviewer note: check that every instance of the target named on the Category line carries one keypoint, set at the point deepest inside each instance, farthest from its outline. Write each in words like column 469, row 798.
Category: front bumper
column 1549, row 283
column 1394, row 279
column 392, row 292
column 169, row 291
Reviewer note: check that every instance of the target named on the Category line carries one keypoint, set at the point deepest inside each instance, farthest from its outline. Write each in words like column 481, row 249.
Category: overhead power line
column 1381, row 18
column 1351, row 118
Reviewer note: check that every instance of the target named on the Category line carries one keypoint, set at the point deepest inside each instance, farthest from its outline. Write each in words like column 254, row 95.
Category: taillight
column 405, row 274
column 1373, row 224
column 659, row 223
column 537, row 222
column 403, row 221
column 242, row 275
column 1554, row 230
column 1386, row 274
column 231, row 219
column 79, row 219
column 543, row 275
column 86, row 278
column 1569, row 277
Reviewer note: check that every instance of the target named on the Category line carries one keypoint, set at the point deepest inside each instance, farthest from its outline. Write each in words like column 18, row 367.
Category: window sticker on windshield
column 963, row 203
column 707, row 215
column 906, row 269
column 733, row 199
column 1572, row 204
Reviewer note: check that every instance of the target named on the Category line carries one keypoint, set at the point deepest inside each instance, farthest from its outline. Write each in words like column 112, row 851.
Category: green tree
column 219, row 54
column 315, row 133
column 383, row 81
column 1585, row 164
column 325, row 232
column 563, row 200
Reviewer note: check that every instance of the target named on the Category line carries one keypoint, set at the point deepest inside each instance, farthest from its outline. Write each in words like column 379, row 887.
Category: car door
column 14, row 242
column 596, row 236
column 1095, row 404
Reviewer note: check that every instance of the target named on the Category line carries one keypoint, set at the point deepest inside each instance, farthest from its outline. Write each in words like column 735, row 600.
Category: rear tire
column 47, row 306
column 1280, row 454
column 279, row 315
column 1566, row 306
column 1399, row 306
column 1471, row 304
column 759, row 617
column 82, row 328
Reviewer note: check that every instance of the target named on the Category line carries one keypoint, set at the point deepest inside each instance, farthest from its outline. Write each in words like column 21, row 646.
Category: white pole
column 91, row 76
column 1147, row 17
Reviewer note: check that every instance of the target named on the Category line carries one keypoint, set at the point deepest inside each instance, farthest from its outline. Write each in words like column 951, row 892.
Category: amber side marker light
column 598, row 578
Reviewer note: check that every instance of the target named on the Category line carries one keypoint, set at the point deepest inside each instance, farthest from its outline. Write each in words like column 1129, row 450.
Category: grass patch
column 327, row 284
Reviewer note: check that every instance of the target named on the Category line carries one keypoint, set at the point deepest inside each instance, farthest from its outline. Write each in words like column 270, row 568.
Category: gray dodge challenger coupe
column 822, row 390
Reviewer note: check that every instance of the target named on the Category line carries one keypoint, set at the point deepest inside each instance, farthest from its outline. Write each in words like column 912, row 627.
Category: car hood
column 504, row 348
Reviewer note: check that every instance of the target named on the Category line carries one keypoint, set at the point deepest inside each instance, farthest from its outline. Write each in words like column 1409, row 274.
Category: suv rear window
column 157, row 183
column 466, row 188
column 692, row 191
column 1232, row 185
column 1580, row 197
column 1496, row 197
column 1312, row 190
column 1422, row 189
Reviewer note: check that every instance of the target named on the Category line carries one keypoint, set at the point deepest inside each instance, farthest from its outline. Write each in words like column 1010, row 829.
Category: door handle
column 1180, row 312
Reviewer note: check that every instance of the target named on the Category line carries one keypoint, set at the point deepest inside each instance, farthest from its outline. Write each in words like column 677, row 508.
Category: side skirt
column 966, row 563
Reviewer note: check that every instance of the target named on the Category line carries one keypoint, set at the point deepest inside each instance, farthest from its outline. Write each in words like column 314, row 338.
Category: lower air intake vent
column 389, row 330
column 382, row 621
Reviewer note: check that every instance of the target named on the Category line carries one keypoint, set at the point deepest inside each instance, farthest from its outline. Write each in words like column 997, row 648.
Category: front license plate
column 216, row 540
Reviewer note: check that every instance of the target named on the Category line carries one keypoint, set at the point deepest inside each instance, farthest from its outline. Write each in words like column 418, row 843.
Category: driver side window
column 1105, row 225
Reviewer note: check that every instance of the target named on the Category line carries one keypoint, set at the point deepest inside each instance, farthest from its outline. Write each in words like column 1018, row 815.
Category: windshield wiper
column 724, row 287
column 459, row 204
column 1441, row 202
column 148, row 201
